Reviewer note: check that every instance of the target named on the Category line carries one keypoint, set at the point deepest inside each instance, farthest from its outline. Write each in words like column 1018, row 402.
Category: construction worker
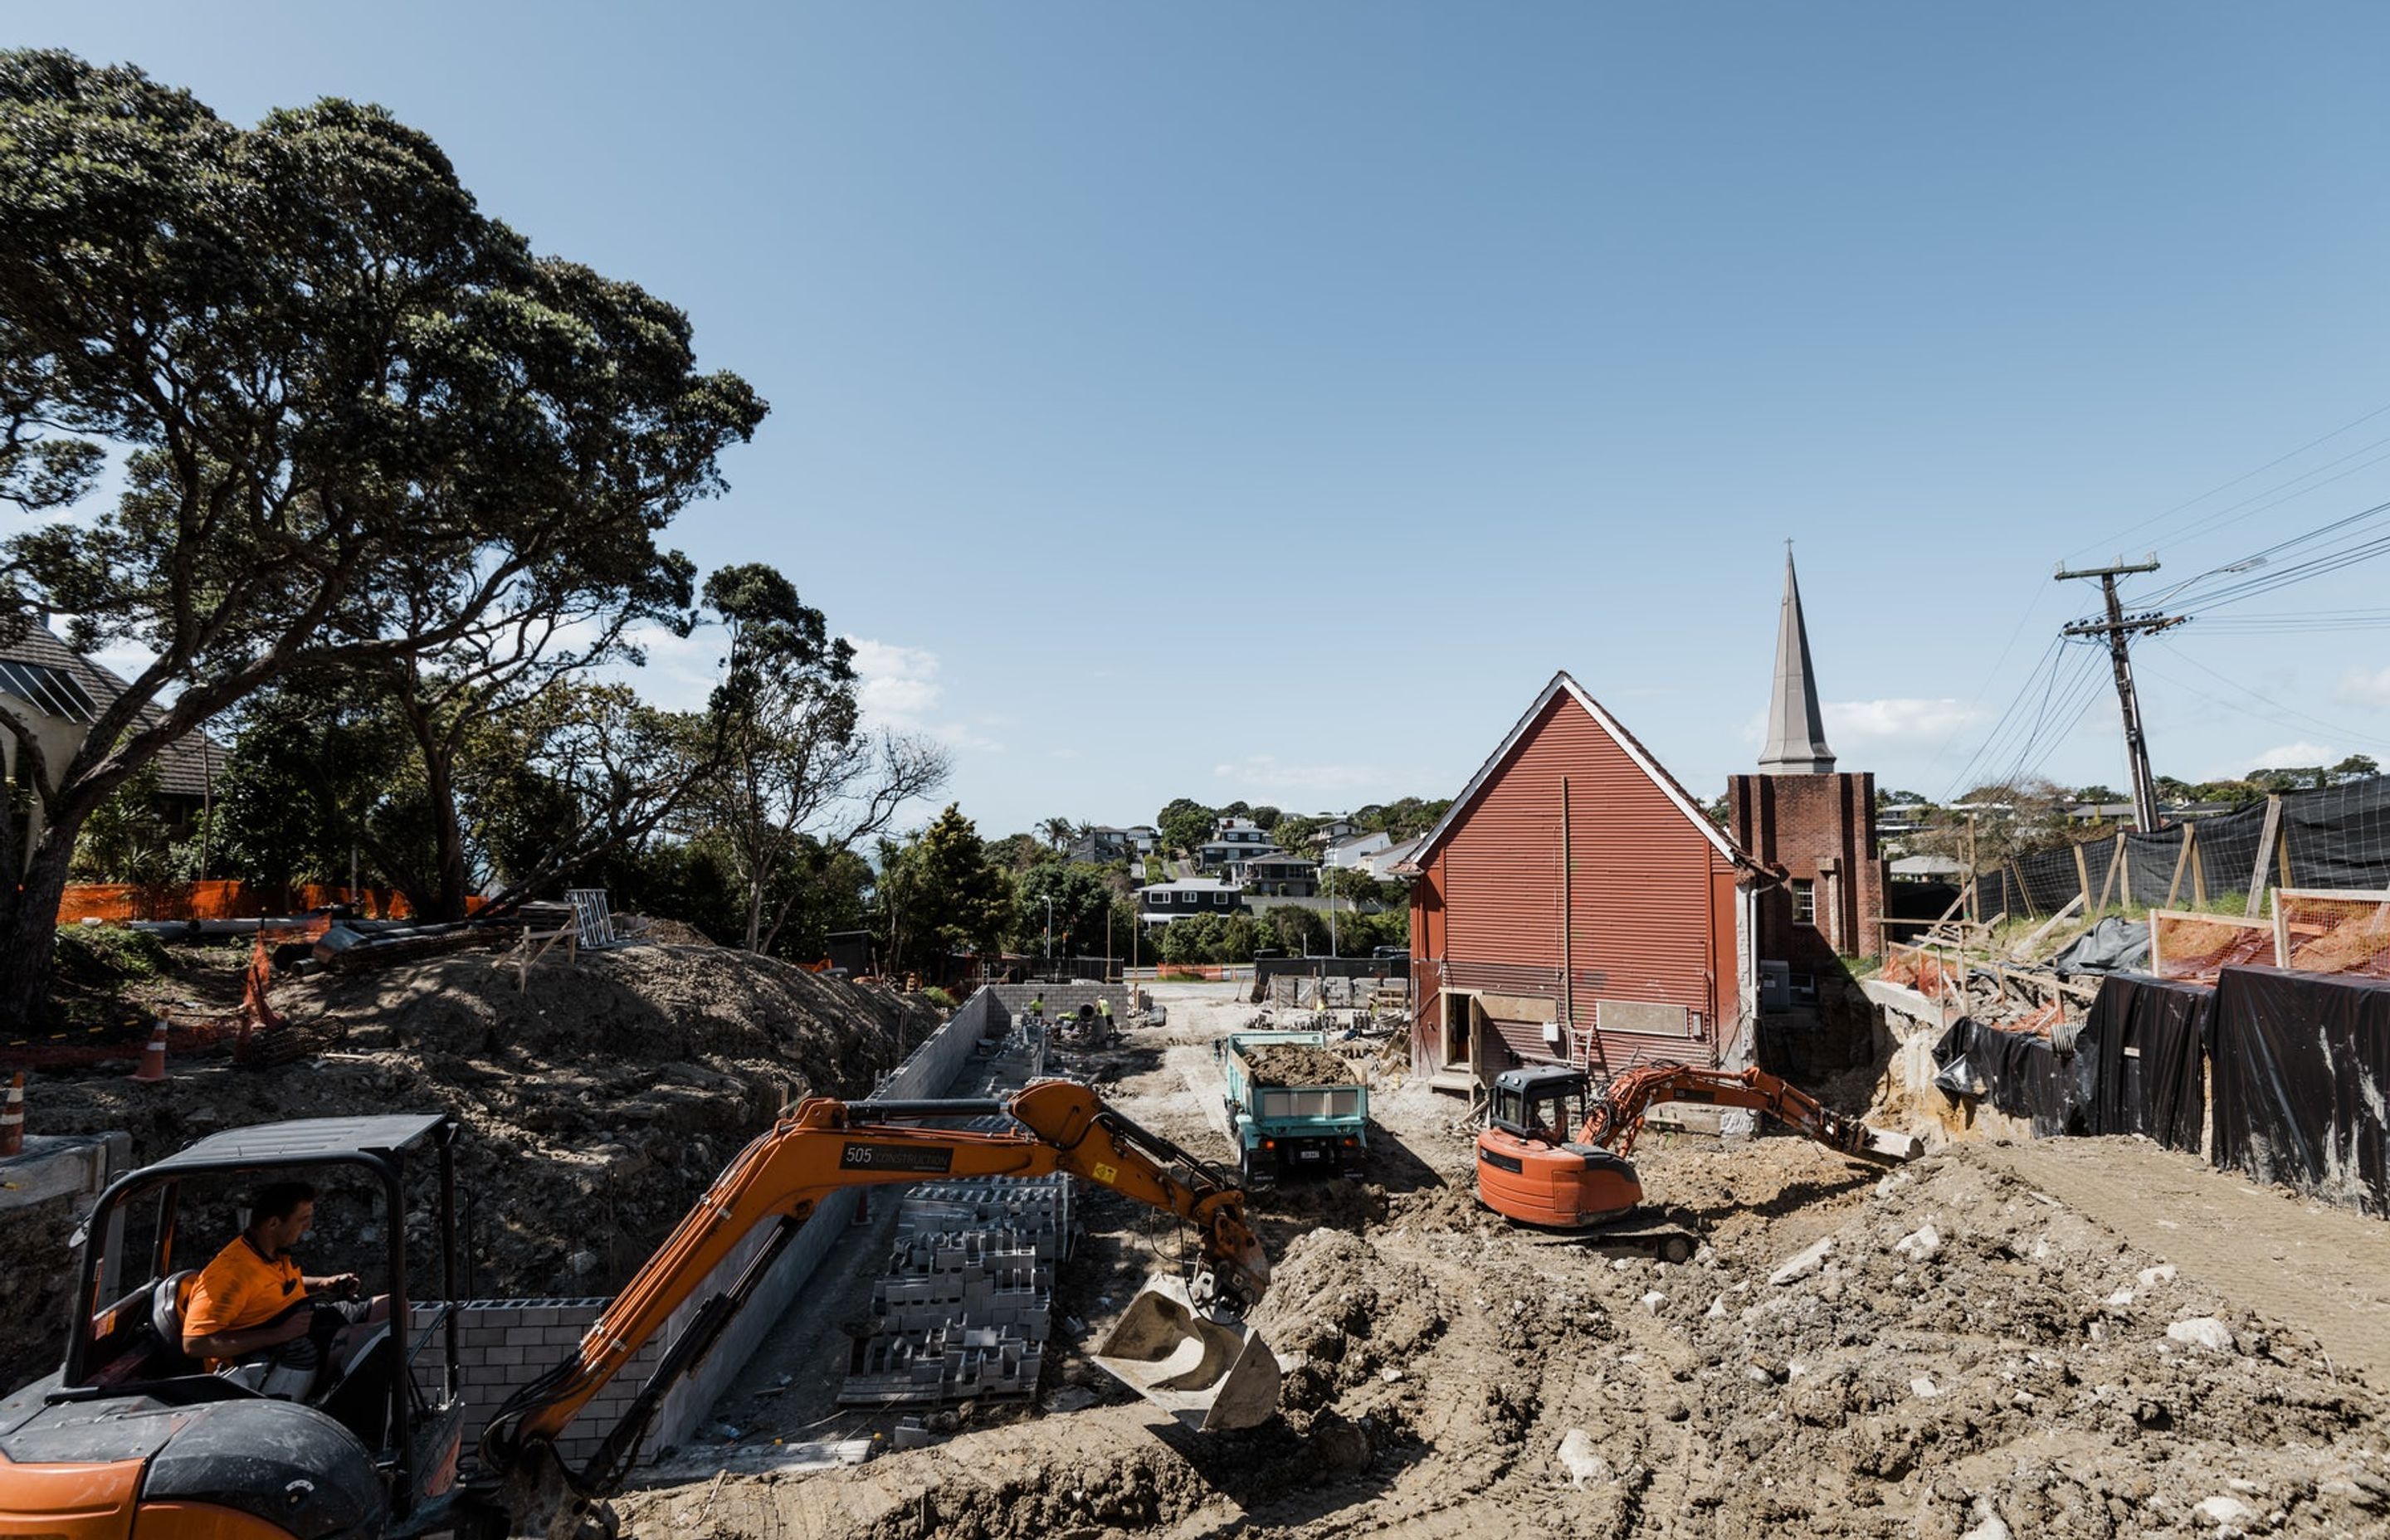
column 1037, row 1006
column 253, row 1305
column 1104, row 1010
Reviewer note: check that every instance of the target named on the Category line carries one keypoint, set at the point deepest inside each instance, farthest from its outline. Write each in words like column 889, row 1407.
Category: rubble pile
column 1296, row 1064
column 598, row 1102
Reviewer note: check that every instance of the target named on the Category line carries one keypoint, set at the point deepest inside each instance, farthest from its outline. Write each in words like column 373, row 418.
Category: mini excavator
column 133, row 1438
column 1530, row 1168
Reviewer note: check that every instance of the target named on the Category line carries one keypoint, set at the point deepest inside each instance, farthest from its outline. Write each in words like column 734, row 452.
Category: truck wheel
column 1676, row 1248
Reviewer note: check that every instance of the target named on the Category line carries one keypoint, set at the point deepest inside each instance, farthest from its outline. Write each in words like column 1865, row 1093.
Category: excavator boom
column 1617, row 1118
column 1185, row 1352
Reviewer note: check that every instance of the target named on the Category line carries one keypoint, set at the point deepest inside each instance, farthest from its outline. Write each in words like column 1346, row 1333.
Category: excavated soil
column 1943, row 1352
column 597, row 1103
column 1296, row 1064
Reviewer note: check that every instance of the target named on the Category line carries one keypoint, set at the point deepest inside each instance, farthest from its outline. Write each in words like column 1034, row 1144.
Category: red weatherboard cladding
column 1653, row 907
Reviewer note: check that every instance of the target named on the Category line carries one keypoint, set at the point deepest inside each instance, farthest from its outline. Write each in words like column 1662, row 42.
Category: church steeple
column 1796, row 729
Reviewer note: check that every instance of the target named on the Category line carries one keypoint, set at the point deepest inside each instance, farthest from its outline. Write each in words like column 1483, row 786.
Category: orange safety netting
column 119, row 902
column 2196, row 948
column 2335, row 935
column 1919, row 969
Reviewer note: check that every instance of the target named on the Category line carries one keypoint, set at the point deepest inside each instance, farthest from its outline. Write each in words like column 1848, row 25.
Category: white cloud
column 1265, row 772
column 899, row 689
column 1898, row 719
column 2288, row 756
column 2364, row 687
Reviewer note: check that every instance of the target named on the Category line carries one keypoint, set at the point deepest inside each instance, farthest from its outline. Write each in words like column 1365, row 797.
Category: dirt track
column 1973, row 1354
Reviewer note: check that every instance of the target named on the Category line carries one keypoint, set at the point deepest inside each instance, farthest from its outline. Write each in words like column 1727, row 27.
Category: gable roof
column 1562, row 685
column 185, row 767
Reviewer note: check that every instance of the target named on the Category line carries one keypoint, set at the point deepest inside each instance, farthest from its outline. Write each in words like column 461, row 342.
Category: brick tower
column 1817, row 823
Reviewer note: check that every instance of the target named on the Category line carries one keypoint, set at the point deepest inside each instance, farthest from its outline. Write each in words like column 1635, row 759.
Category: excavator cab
column 1546, row 1103
column 164, row 1446
column 1531, row 1163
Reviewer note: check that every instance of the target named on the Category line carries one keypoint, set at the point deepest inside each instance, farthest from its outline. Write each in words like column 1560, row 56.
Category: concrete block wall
column 1060, row 999
column 502, row 1344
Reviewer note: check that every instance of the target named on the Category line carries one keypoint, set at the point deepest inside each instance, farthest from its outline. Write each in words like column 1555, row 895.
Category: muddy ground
column 598, row 1102
column 1950, row 1350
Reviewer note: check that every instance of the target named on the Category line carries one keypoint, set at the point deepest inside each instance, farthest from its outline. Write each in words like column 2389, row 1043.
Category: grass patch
column 100, row 956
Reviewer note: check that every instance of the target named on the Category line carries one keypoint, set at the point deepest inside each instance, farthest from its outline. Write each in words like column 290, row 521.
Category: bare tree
column 793, row 759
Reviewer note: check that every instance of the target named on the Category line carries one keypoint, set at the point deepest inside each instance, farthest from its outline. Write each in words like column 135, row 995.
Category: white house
column 1355, row 850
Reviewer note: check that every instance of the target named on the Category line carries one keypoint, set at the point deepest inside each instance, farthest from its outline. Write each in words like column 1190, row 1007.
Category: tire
column 1676, row 1249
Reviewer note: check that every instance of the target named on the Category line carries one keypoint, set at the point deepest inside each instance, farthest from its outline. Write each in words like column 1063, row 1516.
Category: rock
column 2204, row 1331
column 1391, row 1375
column 1654, row 1301
column 1989, row 1525
column 1924, row 1386
column 1580, row 1459
column 1803, row 1263
column 1716, row 1312
column 581, row 1262
column 2221, row 1510
column 2118, row 1300
column 1339, row 1446
column 1919, row 1243
column 2149, row 1278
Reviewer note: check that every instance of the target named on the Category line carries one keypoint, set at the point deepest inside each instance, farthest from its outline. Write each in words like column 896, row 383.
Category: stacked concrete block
column 966, row 1305
column 1060, row 999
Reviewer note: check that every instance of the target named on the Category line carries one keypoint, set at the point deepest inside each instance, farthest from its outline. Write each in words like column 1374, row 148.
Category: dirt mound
column 597, row 1103
column 1297, row 1064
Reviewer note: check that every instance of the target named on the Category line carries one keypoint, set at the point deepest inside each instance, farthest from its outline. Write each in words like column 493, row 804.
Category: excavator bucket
column 1209, row 1374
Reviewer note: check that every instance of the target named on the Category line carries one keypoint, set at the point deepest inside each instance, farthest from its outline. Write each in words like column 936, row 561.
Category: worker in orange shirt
column 253, row 1304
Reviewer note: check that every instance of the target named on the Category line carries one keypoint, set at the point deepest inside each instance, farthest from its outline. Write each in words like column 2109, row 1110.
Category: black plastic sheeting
column 2302, row 1069
column 2149, row 1038
column 2022, row 1075
column 2112, row 946
column 2135, row 1068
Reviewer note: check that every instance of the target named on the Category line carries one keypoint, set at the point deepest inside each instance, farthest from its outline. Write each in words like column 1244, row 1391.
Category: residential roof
column 39, row 662
column 1191, row 884
column 1365, row 835
column 1668, row 785
column 1278, row 858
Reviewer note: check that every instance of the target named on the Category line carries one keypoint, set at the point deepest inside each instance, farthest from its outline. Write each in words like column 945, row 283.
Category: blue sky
column 1263, row 401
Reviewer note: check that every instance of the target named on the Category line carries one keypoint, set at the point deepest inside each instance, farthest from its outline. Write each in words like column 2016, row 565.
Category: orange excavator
column 1531, row 1167
column 133, row 1438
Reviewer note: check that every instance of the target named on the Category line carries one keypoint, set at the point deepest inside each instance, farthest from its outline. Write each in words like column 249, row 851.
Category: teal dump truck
column 1295, row 1106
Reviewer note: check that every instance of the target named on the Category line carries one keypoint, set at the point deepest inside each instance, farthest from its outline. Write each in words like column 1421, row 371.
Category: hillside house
column 1233, row 839
column 1353, row 851
column 1160, row 903
column 1277, row 875
column 1575, row 905
column 59, row 694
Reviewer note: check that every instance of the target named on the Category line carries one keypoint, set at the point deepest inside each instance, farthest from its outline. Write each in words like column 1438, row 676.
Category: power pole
column 2118, row 628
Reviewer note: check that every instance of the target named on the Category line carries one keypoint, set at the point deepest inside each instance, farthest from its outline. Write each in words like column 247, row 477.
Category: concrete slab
column 62, row 1165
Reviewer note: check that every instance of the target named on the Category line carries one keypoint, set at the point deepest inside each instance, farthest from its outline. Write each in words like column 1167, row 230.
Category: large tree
column 939, row 892
column 358, row 420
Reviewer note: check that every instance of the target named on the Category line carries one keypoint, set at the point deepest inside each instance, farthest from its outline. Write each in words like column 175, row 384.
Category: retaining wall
column 1060, row 999
column 504, row 1343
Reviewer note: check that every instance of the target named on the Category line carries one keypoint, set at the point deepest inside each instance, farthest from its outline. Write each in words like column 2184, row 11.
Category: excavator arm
column 1617, row 1118
column 780, row 1178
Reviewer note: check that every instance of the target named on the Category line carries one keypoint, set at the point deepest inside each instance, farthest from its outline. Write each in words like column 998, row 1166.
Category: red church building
column 1576, row 906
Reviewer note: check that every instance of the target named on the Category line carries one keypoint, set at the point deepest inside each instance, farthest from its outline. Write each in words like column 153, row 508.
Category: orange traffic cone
column 153, row 1058
column 12, row 1117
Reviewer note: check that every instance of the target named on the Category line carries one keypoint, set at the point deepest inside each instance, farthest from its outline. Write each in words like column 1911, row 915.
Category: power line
column 2226, row 486
column 2276, row 713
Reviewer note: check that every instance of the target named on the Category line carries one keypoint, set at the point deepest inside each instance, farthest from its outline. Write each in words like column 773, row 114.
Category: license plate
column 1306, row 1154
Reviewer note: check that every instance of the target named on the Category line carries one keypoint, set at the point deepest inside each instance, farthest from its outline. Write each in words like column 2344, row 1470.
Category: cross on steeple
column 1797, row 728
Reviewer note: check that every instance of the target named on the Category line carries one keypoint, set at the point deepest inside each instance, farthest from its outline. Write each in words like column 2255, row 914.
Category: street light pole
column 1049, row 928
